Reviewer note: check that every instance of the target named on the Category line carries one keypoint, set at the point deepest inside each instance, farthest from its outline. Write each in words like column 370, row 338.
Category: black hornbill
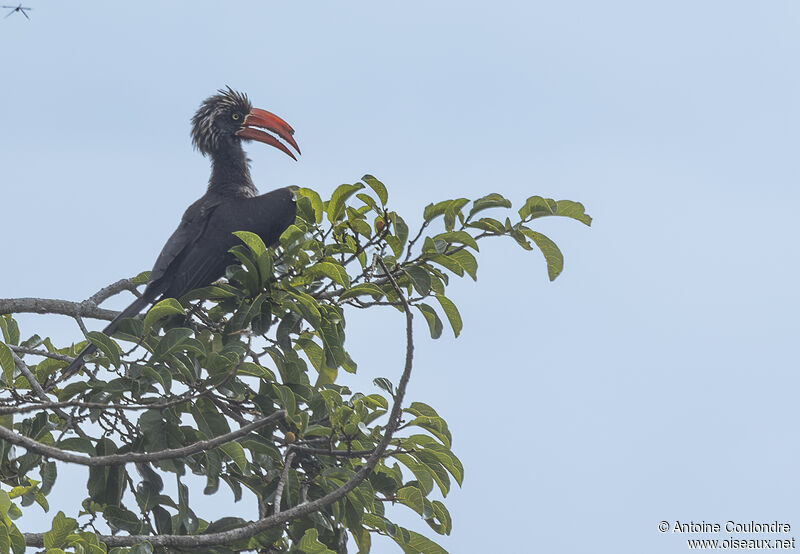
column 197, row 252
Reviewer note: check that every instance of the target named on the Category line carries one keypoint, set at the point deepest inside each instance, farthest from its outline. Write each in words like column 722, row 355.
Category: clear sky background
column 656, row 379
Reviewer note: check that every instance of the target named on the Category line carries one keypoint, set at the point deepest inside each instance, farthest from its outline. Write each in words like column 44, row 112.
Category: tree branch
column 112, row 289
column 54, row 306
column 134, row 457
column 344, row 453
column 36, row 352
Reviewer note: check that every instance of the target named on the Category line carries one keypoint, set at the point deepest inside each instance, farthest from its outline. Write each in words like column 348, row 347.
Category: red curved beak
column 272, row 123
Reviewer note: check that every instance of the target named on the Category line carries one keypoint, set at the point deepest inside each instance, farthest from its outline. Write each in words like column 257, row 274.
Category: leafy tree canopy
column 238, row 382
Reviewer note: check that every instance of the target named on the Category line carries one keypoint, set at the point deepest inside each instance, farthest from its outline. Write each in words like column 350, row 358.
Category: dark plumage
column 197, row 252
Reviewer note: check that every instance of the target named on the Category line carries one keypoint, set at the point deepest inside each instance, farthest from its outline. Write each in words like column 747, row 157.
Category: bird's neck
column 230, row 172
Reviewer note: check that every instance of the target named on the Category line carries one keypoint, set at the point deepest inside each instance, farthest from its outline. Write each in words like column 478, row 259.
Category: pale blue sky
column 656, row 379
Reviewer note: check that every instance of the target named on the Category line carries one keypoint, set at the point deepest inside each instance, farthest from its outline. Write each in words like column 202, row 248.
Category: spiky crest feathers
column 206, row 136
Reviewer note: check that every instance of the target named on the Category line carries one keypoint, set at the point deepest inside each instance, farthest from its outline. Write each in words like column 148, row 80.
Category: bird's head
column 228, row 118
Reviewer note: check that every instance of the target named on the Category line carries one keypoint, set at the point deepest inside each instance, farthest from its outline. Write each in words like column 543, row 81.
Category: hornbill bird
column 197, row 254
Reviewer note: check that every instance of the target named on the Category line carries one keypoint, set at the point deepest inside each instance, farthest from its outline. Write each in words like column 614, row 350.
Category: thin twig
column 36, row 352
column 134, row 457
column 81, row 326
column 23, row 368
column 345, row 453
column 112, row 289
column 287, row 464
column 414, row 240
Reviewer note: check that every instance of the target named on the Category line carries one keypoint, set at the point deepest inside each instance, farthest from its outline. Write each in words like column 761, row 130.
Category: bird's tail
column 76, row 364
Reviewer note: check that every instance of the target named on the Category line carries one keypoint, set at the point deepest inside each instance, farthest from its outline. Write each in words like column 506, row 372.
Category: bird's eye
column 236, row 116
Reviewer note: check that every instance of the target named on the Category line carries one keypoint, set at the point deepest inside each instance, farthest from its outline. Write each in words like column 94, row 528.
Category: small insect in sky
column 20, row 8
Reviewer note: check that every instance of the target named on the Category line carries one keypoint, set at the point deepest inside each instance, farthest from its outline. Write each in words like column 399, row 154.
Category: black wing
column 189, row 233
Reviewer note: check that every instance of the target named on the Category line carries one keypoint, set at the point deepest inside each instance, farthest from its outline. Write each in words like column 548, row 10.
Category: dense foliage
column 266, row 346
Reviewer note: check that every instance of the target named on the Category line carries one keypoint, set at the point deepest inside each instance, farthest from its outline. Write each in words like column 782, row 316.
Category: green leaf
column 488, row 224
column 5, row 504
column 460, row 237
column 165, row 308
column 434, row 425
column 247, row 273
column 441, row 451
column 293, row 238
column 397, row 241
column 56, row 537
column 575, row 210
column 307, row 307
column 211, row 292
column 451, row 312
column 255, row 370
column 428, row 419
column 466, row 260
column 7, row 363
column 163, row 520
column 287, row 399
column 235, row 452
column 442, row 515
column 385, row 384
column 492, row 200
column 378, row 187
column 552, row 254
column 309, row 544
column 536, row 206
column 210, row 422
column 411, row 497
column 448, row 208
column 171, row 342
column 434, row 323
column 447, row 262
column 314, row 199
column 369, row 202
column 5, row 540
column 438, row 472
column 77, row 444
column 253, row 242
column 106, row 346
column 333, row 271
column 141, row 279
column 450, row 462
column 49, row 472
column 212, row 471
column 419, row 278
column 10, row 329
column 122, row 518
column 259, row 250
column 316, row 355
column 359, row 290
column 248, row 310
column 17, row 540
column 423, row 544
column 361, row 227
column 453, row 211
column 338, row 199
